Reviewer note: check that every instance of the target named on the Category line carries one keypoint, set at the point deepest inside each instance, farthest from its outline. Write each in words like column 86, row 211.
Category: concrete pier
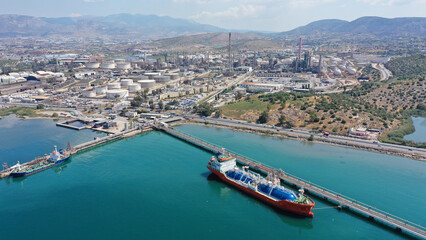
column 85, row 146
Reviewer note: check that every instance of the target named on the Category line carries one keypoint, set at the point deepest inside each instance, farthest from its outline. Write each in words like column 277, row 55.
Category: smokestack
column 229, row 53
column 300, row 48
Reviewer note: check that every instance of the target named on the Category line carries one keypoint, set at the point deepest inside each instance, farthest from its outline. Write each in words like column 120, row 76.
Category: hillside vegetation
column 408, row 67
column 384, row 105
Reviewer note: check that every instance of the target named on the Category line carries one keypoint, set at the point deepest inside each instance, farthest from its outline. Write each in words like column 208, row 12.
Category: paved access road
column 307, row 133
column 384, row 72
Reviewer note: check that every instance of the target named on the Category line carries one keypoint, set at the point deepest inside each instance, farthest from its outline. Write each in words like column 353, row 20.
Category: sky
column 257, row 15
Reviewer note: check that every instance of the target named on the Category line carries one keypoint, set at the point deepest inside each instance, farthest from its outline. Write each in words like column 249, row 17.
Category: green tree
column 40, row 106
column 281, row 119
column 238, row 95
column 313, row 116
column 137, row 101
column 204, row 109
column 218, row 113
column 160, row 105
column 263, row 118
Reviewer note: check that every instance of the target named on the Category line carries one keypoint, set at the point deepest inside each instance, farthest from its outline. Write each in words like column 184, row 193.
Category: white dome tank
column 337, row 71
column 114, row 86
column 134, row 87
column 173, row 76
column 89, row 93
column 123, row 65
column 147, row 83
column 142, row 77
column 93, row 65
column 152, row 75
column 117, row 93
column 162, row 79
column 351, row 70
column 108, row 65
column 126, row 82
column 101, row 89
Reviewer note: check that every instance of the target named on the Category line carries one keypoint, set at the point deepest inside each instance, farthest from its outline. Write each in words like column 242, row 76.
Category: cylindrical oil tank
column 141, row 77
column 114, row 86
column 351, row 70
column 134, row 87
column 117, row 93
column 162, row 79
column 89, row 93
column 151, row 75
column 123, row 65
column 93, row 65
column 108, row 65
column 126, row 82
column 147, row 83
column 101, row 89
column 173, row 76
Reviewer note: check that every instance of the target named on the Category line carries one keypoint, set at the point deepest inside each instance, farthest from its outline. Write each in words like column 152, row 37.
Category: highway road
column 307, row 133
column 239, row 79
column 384, row 72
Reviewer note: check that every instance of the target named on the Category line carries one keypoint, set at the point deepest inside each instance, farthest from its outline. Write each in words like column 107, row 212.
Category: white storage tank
column 101, row 89
column 117, row 94
column 351, row 70
column 134, row 87
column 89, row 93
column 93, row 65
column 142, row 77
column 337, row 71
column 114, row 86
column 147, row 83
column 108, row 65
column 126, row 82
column 123, row 65
column 173, row 76
column 162, row 79
column 15, row 75
column 152, row 75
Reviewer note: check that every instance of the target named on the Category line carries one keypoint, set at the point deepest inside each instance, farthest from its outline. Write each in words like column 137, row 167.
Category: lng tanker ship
column 267, row 189
column 56, row 157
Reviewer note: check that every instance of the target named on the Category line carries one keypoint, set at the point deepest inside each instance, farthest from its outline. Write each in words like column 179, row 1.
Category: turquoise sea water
column 420, row 134
column 154, row 186
column 23, row 140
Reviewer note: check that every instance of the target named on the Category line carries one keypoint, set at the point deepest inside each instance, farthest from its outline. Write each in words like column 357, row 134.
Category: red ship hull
column 296, row 208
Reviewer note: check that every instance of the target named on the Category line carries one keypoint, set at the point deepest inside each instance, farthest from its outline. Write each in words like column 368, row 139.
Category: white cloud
column 232, row 12
column 392, row 2
column 308, row 3
column 75, row 15
column 237, row 2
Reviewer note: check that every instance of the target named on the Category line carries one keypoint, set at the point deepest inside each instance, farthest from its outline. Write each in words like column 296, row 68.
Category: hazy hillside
column 156, row 27
column 217, row 40
column 149, row 26
column 364, row 25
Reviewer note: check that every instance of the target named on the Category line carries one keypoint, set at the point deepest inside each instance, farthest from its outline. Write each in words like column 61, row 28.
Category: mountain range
column 364, row 25
column 148, row 26
column 158, row 27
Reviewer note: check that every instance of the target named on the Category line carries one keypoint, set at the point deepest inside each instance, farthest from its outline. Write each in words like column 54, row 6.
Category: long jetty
column 78, row 148
column 109, row 138
column 341, row 201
